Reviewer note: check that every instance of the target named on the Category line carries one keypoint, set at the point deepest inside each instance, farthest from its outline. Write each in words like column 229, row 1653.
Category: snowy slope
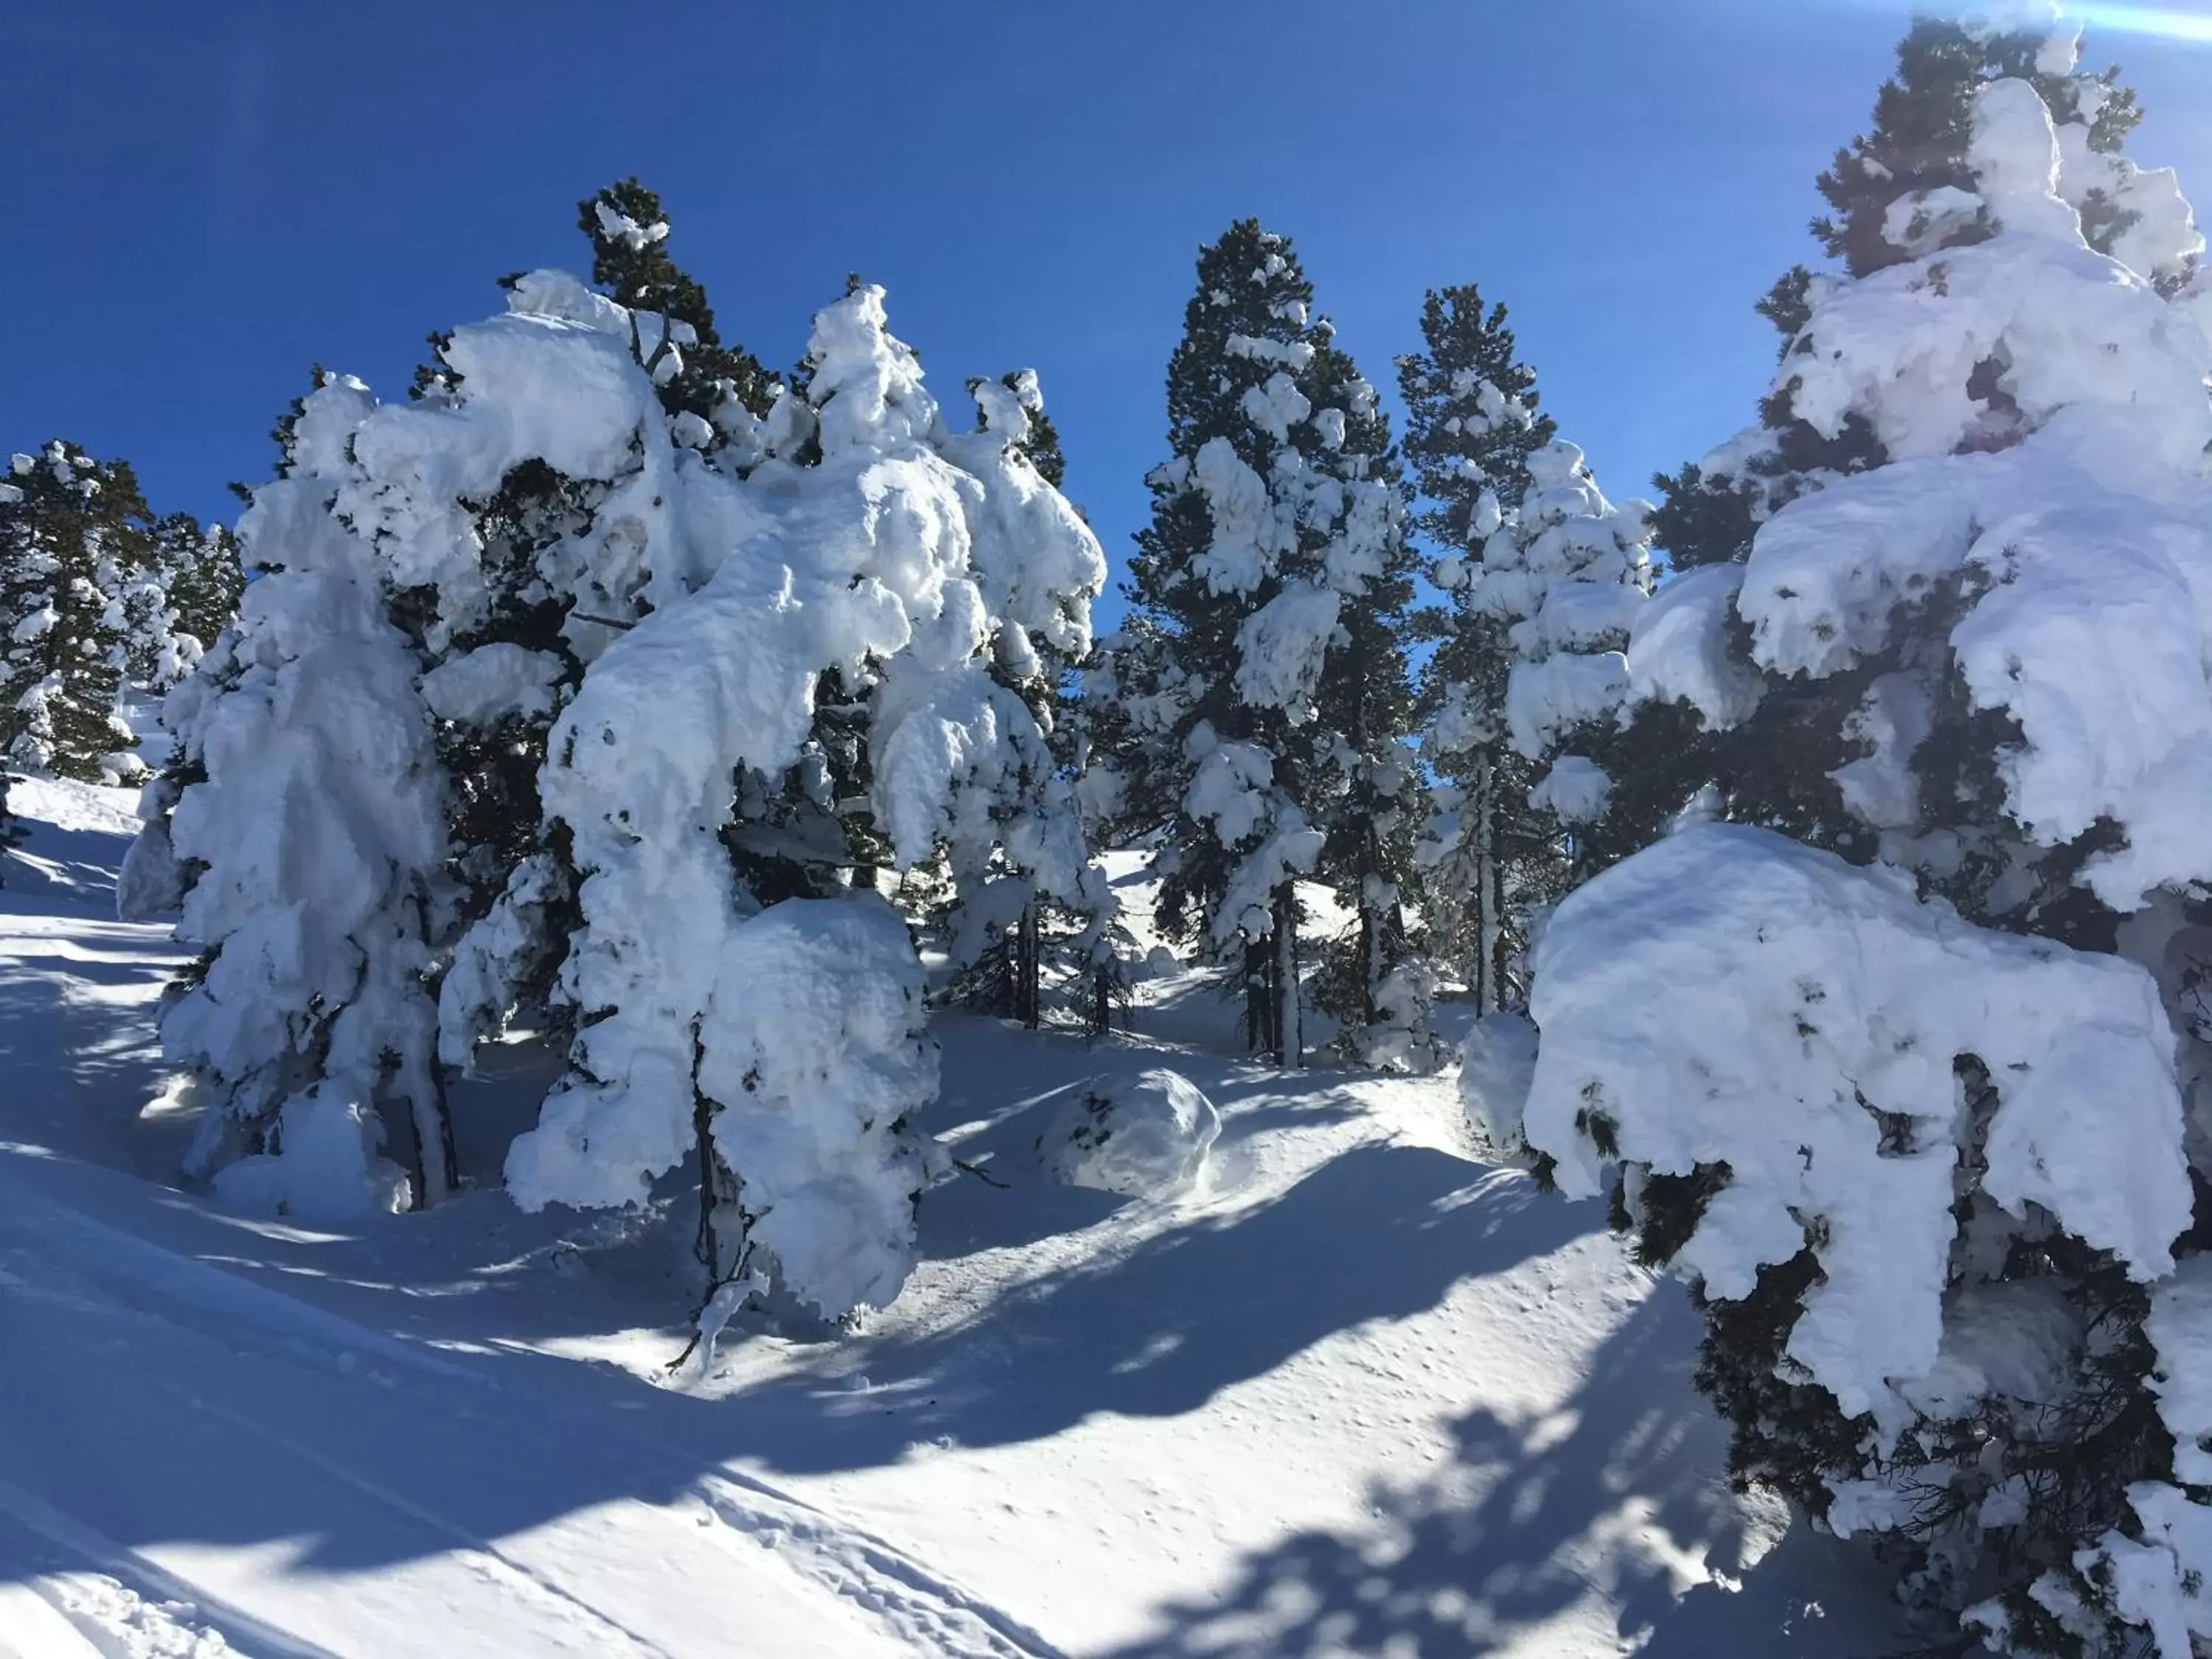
column 1357, row 1394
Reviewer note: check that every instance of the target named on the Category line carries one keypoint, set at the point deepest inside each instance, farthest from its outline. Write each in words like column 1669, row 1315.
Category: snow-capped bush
column 1142, row 1136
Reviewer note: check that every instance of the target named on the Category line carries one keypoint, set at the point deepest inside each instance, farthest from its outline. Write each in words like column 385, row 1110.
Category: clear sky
column 204, row 198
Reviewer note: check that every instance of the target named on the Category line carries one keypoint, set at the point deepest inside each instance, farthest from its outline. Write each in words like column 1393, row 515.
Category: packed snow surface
column 1354, row 1392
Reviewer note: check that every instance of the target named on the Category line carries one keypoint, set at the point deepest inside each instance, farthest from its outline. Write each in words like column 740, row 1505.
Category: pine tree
column 1002, row 926
column 1472, row 422
column 301, row 828
column 695, row 372
column 515, row 871
column 74, row 534
column 1880, row 646
column 1567, row 573
column 1371, row 982
column 1275, row 541
column 201, row 576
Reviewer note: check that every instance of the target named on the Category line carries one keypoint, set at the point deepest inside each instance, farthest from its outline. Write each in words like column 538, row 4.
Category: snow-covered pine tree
column 780, row 1040
column 1002, row 924
column 1472, row 422
column 301, row 825
column 75, row 537
column 201, row 578
column 1271, row 519
column 1371, row 981
column 515, row 871
column 179, row 603
column 1888, row 1063
column 1568, row 574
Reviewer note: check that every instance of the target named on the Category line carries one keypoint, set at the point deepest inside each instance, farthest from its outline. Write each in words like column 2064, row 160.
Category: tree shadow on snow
column 1618, row 1492
column 201, row 1376
column 76, row 1014
column 1157, row 1329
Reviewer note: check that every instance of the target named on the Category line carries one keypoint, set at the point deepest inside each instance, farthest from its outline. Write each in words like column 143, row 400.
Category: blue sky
column 203, row 199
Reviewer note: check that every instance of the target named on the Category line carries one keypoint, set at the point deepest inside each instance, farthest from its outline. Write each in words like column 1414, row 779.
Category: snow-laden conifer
column 1261, row 681
column 76, row 572
column 1487, row 858
column 691, row 603
column 1895, row 1066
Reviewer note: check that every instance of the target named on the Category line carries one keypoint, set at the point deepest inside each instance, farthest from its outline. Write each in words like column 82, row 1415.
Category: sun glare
column 2167, row 22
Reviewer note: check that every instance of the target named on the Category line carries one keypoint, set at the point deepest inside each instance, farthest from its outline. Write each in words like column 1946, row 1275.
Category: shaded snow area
column 1349, row 1392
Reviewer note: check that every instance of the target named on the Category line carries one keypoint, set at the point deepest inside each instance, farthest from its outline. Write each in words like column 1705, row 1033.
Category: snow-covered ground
column 1355, row 1393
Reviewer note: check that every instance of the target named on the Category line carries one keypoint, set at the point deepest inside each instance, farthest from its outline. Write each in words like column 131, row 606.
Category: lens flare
column 2166, row 23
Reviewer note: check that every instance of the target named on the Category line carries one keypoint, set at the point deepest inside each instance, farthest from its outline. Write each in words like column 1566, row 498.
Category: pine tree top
column 1248, row 321
column 1923, row 125
column 1472, row 417
column 631, row 260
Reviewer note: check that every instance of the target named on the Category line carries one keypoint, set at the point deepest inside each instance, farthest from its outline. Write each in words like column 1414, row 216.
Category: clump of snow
column 492, row 682
column 1249, row 535
column 814, row 1027
column 1142, row 1136
column 1497, row 1062
column 1679, row 648
column 322, row 1163
column 1729, row 996
column 1281, row 648
column 1575, row 787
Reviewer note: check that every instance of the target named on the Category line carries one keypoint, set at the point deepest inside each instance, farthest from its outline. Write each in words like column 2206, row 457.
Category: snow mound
column 320, row 1164
column 1497, row 1063
column 1142, row 1136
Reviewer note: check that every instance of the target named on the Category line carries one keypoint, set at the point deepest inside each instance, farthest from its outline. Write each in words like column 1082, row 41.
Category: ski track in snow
column 117, row 1289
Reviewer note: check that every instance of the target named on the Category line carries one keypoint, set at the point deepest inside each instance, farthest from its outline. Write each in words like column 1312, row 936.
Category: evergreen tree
column 1371, row 982
column 301, row 829
column 1275, row 525
column 515, row 872
column 74, row 533
column 1884, row 649
column 695, row 371
column 201, row 576
column 1898, row 192
column 1472, row 422
column 1001, row 925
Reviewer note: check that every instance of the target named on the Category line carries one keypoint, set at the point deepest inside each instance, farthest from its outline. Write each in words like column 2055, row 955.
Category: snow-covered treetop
column 622, row 229
column 865, row 384
column 2046, row 412
column 1923, row 181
